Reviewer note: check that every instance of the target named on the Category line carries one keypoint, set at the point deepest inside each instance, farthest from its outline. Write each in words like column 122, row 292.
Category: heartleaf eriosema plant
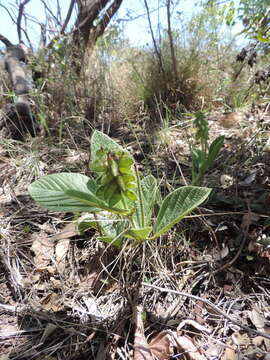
column 117, row 202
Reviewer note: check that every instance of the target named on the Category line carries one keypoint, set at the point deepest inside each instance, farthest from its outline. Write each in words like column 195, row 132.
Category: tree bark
column 170, row 35
column 17, row 118
column 93, row 18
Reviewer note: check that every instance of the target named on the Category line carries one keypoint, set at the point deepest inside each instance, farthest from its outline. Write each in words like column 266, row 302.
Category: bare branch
column 42, row 42
column 104, row 22
column 57, row 21
column 175, row 72
column 5, row 41
column 136, row 17
column 19, row 18
column 59, row 16
column 9, row 13
column 70, row 9
column 154, row 40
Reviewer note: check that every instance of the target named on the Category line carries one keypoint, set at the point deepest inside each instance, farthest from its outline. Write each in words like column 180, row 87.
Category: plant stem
column 140, row 196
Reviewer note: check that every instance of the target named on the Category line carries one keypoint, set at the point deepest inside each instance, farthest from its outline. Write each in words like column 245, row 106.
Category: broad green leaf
column 87, row 199
column 109, row 190
column 128, row 178
column 150, row 197
column 85, row 225
column 214, row 150
column 107, row 223
column 68, row 192
column 97, row 166
column 50, row 192
column 139, row 234
column 114, row 167
column 177, row 205
column 102, row 141
column 115, row 199
column 111, row 240
column 198, row 158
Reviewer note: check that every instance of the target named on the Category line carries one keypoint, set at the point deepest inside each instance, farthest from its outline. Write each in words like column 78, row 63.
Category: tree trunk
column 93, row 18
column 17, row 118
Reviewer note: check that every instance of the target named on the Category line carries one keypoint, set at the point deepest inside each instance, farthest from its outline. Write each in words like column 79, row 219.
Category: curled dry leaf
column 62, row 245
column 161, row 346
column 186, row 346
column 43, row 249
column 61, row 250
column 230, row 353
column 257, row 318
column 141, row 347
column 194, row 324
column 240, row 339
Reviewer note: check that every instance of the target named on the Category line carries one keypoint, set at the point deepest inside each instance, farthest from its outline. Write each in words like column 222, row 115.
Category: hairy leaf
column 68, row 192
column 177, row 205
column 150, row 197
column 102, row 141
column 138, row 234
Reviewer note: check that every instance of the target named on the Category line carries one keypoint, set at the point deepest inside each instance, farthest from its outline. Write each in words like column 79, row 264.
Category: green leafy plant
column 118, row 203
column 203, row 158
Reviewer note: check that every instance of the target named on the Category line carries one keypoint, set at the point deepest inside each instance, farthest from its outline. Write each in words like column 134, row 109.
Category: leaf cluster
column 118, row 202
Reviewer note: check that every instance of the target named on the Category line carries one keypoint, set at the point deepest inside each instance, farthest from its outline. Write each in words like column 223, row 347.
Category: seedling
column 118, row 202
column 204, row 157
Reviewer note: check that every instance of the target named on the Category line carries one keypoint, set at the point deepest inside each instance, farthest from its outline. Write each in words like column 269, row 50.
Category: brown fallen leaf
column 186, row 346
column 241, row 339
column 141, row 348
column 161, row 346
column 257, row 318
column 198, row 312
column 193, row 323
column 258, row 341
column 230, row 353
column 231, row 120
column 61, row 250
column 43, row 249
column 52, row 302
